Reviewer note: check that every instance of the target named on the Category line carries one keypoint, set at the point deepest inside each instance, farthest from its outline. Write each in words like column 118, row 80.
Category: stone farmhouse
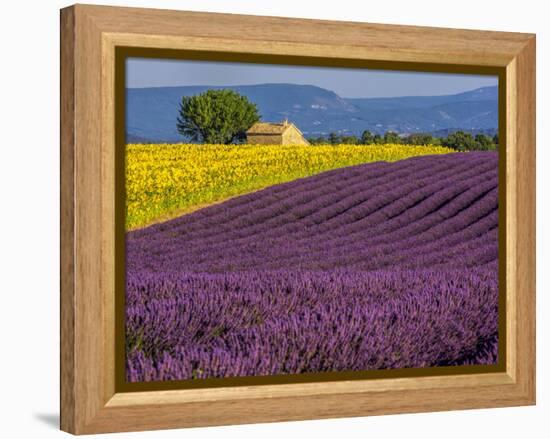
column 269, row 133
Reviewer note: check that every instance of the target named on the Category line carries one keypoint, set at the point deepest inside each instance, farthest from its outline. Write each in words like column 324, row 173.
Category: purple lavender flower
column 376, row 266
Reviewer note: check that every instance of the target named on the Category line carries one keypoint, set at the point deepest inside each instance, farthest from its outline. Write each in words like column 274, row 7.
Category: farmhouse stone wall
column 264, row 139
column 266, row 133
column 293, row 137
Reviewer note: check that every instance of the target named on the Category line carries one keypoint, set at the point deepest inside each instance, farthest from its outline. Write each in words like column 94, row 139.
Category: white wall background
column 29, row 237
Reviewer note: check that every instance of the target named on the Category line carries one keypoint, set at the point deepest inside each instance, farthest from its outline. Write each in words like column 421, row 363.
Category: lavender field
column 375, row 266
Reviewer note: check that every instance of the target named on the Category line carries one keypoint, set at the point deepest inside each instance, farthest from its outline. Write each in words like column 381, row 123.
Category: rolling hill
column 151, row 112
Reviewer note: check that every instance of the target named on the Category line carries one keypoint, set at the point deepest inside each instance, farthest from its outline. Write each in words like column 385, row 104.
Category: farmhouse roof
column 271, row 127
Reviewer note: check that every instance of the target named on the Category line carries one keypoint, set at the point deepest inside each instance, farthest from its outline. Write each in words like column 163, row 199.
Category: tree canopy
column 216, row 116
column 459, row 140
column 391, row 137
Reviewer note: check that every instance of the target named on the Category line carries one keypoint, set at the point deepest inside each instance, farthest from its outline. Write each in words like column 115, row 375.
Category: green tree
column 317, row 140
column 378, row 139
column 216, row 116
column 391, row 137
column 367, row 138
column 495, row 139
column 350, row 140
column 420, row 139
column 484, row 143
column 334, row 139
column 460, row 141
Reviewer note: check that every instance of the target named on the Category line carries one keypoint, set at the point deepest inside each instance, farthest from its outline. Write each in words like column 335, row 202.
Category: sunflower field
column 166, row 180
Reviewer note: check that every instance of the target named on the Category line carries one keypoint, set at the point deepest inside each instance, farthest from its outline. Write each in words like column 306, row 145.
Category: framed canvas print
column 268, row 219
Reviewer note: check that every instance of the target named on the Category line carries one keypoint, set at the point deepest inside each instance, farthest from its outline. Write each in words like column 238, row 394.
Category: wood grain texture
column 90, row 35
column 67, row 254
column 512, row 213
column 525, row 221
column 355, row 40
column 107, row 215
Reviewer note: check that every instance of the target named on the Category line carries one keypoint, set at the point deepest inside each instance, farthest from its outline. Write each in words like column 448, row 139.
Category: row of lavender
column 242, row 324
column 369, row 216
column 383, row 265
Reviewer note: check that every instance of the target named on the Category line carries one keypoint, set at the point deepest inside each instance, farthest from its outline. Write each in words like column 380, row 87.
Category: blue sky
column 349, row 83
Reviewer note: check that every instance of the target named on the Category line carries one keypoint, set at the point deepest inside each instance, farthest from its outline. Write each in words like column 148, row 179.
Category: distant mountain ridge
column 151, row 112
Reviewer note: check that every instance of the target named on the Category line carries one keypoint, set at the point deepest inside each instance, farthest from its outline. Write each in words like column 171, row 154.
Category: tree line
column 459, row 140
column 223, row 116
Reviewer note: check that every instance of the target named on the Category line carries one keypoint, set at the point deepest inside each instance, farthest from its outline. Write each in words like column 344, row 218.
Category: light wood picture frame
column 92, row 401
